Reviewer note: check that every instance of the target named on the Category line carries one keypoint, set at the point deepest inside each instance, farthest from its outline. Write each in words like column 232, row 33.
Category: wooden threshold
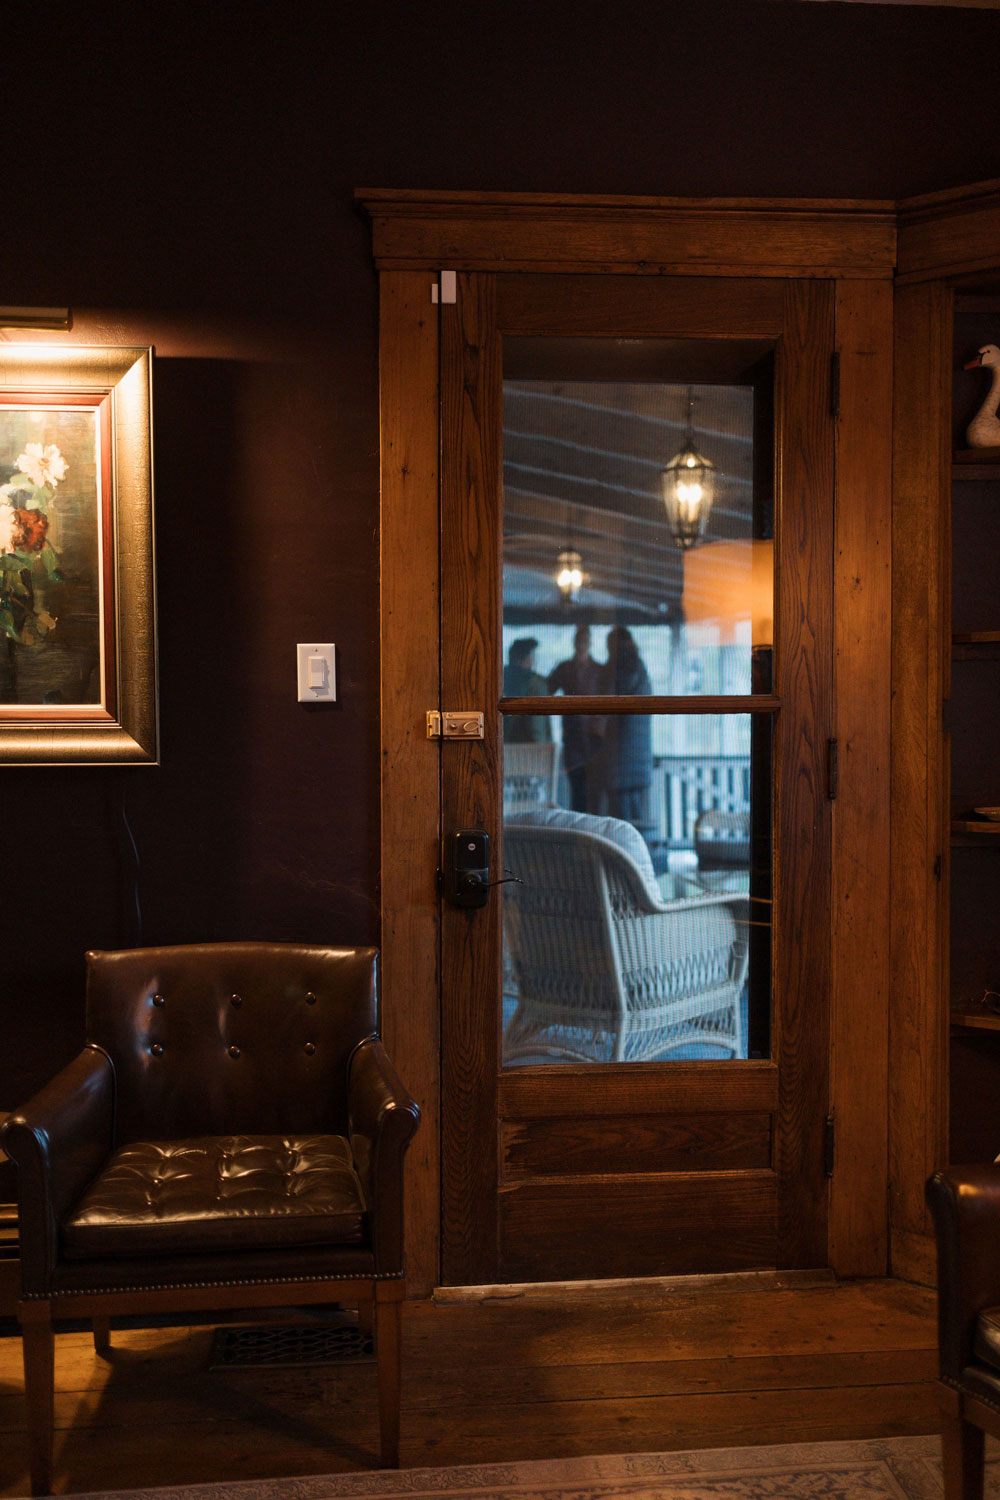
column 631, row 1286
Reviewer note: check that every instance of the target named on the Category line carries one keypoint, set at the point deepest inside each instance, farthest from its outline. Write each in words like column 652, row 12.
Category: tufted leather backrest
column 230, row 1038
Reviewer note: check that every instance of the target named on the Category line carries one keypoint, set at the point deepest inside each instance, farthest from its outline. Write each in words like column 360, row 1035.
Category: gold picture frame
column 77, row 583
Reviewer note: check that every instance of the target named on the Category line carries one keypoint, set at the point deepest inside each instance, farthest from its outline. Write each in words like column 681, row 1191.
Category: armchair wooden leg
column 388, row 1338
column 962, row 1448
column 38, row 1346
column 366, row 1319
column 102, row 1335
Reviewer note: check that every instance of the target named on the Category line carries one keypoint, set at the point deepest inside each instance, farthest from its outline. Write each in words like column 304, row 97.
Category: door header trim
column 807, row 237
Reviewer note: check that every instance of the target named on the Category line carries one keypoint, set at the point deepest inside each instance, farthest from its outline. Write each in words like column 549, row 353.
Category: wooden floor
column 517, row 1375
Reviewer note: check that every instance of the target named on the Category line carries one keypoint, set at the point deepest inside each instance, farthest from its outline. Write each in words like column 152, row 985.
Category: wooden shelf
column 976, row 463
column 975, row 645
column 976, row 456
column 969, row 831
column 974, row 1021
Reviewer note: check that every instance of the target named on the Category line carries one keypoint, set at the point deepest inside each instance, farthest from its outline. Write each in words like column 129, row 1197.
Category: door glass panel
column 609, row 566
column 637, row 925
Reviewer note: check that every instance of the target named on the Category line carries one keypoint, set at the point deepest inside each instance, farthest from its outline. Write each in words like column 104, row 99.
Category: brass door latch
column 464, row 724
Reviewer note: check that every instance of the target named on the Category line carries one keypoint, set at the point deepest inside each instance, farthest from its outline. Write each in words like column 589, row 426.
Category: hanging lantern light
column 569, row 574
column 687, row 484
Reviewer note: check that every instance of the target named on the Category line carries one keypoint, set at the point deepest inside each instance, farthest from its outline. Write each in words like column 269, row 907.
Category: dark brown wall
column 182, row 176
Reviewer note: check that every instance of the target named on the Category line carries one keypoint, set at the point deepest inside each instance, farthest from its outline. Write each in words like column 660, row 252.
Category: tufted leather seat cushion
column 217, row 1193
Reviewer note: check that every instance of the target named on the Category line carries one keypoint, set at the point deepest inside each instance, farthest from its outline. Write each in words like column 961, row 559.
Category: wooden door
column 639, row 1167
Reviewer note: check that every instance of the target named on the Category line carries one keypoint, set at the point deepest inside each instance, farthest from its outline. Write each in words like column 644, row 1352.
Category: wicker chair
column 606, row 970
column 530, row 776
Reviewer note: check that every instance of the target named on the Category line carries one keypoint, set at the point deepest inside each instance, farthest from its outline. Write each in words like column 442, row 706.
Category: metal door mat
column 273, row 1344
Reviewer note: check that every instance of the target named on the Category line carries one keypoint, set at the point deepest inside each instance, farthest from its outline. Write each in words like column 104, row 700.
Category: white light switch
column 317, row 674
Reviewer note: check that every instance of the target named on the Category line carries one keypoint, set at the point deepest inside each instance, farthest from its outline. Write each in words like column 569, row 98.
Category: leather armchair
column 965, row 1206
column 231, row 1136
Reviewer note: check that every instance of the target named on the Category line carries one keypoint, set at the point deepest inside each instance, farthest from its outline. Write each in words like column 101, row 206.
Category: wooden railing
column 686, row 785
column 682, row 787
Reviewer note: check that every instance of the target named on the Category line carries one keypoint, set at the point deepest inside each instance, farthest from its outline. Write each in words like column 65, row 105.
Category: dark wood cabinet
column 945, row 1035
column 972, row 724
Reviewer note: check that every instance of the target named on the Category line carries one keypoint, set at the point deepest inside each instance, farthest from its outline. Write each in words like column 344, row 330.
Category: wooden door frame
column 417, row 234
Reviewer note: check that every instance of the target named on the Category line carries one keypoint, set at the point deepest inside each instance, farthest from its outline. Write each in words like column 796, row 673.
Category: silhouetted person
column 579, row 676
column 627, row 759
column 520, row 680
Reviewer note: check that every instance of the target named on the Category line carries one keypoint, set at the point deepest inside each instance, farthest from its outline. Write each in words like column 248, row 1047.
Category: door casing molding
column 851, row 243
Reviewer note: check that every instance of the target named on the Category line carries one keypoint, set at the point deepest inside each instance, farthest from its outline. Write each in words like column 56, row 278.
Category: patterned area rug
column 906, row 1468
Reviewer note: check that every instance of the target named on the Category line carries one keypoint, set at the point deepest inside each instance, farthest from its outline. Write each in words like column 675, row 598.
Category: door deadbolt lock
column 467, row 876
column 466, row 880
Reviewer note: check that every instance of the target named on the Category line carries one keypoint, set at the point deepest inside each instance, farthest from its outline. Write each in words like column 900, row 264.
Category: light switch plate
column 317, row 672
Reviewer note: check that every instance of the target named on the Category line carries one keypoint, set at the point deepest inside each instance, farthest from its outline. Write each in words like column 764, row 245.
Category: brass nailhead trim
column 310, row 1048
column 310, row 998
column 957, row 1385
column 156, row 1049
column 182, row 1286
column 234, row 1051
column 159, row 1000
column 236, row 1000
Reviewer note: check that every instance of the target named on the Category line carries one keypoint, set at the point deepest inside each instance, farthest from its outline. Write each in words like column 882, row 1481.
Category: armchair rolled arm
column 965, row 1206
column 58, row 1141
column 383, row 1118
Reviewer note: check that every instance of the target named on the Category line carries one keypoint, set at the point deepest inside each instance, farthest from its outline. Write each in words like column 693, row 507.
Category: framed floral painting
column 77, row 606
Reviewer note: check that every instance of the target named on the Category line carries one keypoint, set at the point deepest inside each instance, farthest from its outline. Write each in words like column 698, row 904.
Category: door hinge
column 832, row 769
column 835, row 384
column 464, row 724
column 445, row 289
column 829, row 1145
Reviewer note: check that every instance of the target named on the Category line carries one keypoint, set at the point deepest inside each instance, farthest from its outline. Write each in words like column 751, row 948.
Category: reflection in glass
column 632, row 938
column 521, row 680
column 688, row 484
column 583, row 477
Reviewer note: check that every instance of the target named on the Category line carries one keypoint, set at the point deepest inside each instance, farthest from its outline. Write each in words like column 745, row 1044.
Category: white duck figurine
column 984, row 429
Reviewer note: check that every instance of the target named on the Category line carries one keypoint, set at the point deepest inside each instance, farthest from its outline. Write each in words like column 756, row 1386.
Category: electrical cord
column 128, row 854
